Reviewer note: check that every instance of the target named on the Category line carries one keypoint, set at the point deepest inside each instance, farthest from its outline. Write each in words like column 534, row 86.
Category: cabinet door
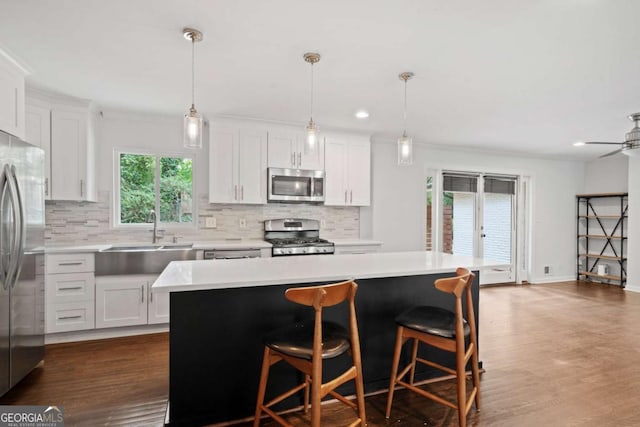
column 68, row 155
column 252, row 167
column 11, row 100
column 158, row 306
column 335, row 172
column 282, row 149
column 121, row 302
column 38, row 132
column 310, row 160
column 221, row 169
column 359, row 172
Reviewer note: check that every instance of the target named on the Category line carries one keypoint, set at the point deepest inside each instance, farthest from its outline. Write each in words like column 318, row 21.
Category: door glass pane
column 137, row 187
column 176, row 203
column 458, row 222
column 497, row 227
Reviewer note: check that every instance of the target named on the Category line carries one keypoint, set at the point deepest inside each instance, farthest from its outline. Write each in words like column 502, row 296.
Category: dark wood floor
column 563, row 354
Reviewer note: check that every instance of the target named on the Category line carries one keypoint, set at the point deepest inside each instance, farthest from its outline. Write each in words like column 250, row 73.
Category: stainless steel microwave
column 295, row 185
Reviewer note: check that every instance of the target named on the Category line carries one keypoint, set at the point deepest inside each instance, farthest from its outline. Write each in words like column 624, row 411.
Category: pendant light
column 311, row 141
column 405, row 144
column 192, row 136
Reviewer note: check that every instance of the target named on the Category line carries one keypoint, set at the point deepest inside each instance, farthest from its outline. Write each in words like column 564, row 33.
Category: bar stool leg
column 461, row 384
column 414, row 355
column 262, row 387
column 394, row 368
column 306, row 393
column 475, row 373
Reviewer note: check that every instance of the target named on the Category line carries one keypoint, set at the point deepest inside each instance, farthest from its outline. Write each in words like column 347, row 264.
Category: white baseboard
column 98, row 334
column 551, row 279
column 632, row 289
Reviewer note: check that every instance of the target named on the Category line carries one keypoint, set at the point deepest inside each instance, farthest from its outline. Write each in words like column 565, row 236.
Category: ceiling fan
column 631, row 144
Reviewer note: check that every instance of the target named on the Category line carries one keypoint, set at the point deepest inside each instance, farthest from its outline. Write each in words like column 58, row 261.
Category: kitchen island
column 220, row 310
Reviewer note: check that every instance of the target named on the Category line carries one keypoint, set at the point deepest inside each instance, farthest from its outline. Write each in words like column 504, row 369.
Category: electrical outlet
column 210, row 222
column 243, row 223
column 547, row 270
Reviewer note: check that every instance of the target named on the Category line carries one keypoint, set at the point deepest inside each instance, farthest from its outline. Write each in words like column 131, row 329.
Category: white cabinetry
column 69, row 292
column 342, row 249
column 11, row 97
column 129, row 300
column 64, row 128
column 348, row 170
column 38, row 132
column 287, row 150
column 237, row 165
column 72, row 162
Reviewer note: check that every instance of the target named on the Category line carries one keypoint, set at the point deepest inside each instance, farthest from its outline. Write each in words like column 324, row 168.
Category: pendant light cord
column 193, row 71
column 405, row 107
column 311, row 108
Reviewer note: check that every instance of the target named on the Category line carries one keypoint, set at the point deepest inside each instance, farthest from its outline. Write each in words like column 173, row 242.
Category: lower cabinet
column 128, row 301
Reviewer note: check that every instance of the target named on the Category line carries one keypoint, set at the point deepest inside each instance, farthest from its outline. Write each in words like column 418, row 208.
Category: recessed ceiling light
column 578, row 143
column 362, row 114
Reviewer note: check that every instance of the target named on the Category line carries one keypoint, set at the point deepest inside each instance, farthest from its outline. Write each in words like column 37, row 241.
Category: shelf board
column 611, row 257
column 606, row 276
column 598, row 236
column 589, row 196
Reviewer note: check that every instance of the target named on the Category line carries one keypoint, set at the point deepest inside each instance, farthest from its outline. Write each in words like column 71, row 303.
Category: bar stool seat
column 432, row 320
column 297, row 340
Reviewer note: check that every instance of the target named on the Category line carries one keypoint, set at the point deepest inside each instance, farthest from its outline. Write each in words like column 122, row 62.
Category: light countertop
column 238, row 273
column 211, row 244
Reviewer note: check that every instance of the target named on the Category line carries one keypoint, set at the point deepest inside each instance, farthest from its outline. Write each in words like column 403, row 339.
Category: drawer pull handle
column 70, row 263
column 69, row 317
column 71, row 288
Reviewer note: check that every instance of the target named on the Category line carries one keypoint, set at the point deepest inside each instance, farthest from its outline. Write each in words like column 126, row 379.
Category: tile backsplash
column 80, row 223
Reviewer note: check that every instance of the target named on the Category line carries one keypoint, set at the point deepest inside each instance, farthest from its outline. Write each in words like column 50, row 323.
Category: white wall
column 397, row 213
column 607, row 175
column 633, row 248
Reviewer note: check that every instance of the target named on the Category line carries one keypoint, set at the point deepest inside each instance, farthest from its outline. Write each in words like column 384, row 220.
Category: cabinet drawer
column 360, row 249
column 67, row 317
column 72, row 287
column 70, row 263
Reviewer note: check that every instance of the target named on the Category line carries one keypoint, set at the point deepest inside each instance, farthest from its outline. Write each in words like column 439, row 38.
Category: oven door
column 295, row 185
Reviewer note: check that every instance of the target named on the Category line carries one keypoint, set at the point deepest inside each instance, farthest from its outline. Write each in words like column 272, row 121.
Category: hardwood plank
column 555, row 354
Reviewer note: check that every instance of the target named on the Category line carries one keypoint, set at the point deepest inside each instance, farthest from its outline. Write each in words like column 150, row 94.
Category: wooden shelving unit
column 601, row 237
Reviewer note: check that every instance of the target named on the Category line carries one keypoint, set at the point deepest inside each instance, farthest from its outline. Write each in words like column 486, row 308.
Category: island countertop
column 238, row 273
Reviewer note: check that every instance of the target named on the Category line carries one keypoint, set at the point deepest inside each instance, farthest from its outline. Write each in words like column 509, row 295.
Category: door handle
column 150, row 296
column 300, row 159
column 350, row 197
column 71, row 288
column 483, row 235
column 69, row 317
column 70, row 263
column 81, row 188
column 46, row 186
column 242, row 192
column 142, row 292
column 235, row 192
column 345, row 197
column 293, row 159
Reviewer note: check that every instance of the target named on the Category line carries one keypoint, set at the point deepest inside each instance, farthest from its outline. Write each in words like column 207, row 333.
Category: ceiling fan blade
column 611, row 153
column 605, row 143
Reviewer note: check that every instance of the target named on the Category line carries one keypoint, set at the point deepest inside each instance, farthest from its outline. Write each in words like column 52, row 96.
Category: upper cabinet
column 237, row 165
column 64, row 128
column 287, row 150
column 348, row 171
column 38, row 132
column 11, row 97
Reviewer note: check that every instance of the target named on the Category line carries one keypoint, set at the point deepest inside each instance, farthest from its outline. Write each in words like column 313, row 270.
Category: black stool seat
column 297, row 340
column 431, row 320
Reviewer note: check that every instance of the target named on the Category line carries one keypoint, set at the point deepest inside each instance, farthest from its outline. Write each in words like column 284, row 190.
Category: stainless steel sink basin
column 143, row 259
column 132, row 248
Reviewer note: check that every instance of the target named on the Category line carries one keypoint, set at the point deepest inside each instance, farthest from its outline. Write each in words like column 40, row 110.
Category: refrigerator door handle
column 14, row 239
column 3, row 269
column 21, row 225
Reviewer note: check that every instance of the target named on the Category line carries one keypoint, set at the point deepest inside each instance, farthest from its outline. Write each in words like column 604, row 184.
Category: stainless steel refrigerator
column 21, row 259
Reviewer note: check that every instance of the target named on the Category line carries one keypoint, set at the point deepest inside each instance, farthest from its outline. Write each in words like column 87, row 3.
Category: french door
column 479, row 220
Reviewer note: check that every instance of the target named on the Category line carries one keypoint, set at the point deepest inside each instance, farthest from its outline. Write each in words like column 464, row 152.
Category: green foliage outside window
column 138, row 188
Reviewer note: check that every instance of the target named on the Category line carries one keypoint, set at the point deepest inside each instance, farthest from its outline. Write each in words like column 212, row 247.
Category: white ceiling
column 516, row 75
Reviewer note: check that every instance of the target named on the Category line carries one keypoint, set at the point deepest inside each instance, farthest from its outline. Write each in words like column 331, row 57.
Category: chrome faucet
column 151, row 216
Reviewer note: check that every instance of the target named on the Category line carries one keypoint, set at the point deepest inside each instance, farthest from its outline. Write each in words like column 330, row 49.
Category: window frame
column 157, row 154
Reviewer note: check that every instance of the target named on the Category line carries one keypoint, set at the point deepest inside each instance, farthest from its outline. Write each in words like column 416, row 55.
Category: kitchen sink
column 141, row 259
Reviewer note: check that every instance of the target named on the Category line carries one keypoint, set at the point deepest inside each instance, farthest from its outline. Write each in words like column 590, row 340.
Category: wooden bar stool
column 447, row 331
column 305, row 345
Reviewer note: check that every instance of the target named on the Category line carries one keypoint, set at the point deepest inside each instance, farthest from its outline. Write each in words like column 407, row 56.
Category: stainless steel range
column 296, row 237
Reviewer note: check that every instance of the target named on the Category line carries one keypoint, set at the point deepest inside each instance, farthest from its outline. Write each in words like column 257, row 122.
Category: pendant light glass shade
column 405, row 143
column 192, row 134
column 192, row 137
column 405, row 150
column 311, row 141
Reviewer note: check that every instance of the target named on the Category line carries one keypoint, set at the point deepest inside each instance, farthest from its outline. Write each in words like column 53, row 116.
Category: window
column 153, row 182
